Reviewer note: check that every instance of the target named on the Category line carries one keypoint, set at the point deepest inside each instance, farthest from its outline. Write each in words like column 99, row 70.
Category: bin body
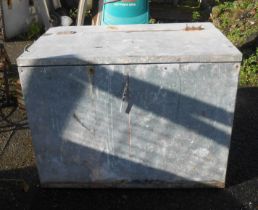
column 155, row 110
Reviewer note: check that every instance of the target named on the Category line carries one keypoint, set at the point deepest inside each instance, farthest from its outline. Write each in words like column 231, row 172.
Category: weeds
column 249, row 71
column 196, row 16
column 238, row 20
column 33, row 32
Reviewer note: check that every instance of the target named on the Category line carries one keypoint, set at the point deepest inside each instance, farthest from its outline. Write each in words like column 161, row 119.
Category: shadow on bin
column 92, row 162
column 242, row 167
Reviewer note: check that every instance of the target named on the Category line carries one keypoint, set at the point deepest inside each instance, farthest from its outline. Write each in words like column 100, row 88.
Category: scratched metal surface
column 173, row 124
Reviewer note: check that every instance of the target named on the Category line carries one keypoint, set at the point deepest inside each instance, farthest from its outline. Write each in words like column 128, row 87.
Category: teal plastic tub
column 116, row 12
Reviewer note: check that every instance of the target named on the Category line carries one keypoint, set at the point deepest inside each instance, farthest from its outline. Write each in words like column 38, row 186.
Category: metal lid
column 131, row 44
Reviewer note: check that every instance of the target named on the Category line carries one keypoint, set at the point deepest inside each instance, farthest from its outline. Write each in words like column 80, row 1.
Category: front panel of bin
column 150, row 124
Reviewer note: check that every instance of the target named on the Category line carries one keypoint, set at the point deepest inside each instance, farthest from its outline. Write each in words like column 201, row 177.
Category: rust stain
column 112, row 27
column 215, row 183
column 187, row 28
column 10, row 4
column 129, row 133
column 91, row 70
column 194, row 28
column 136, row 184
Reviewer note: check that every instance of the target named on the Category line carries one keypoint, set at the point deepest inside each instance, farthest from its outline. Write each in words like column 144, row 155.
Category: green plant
column 34, row 31
column 73, row 13
column 196, row 16
column 238, row 20
column 190, row 3
column 249, row 71
column 152, row 21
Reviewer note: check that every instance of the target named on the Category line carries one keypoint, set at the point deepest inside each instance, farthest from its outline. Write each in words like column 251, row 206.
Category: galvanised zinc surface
column 131, row 44
column 172, row 129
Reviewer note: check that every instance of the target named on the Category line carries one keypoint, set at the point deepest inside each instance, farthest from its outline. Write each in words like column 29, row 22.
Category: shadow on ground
column 19, row 188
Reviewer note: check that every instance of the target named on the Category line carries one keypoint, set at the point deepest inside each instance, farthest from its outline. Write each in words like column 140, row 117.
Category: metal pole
column 81, row 12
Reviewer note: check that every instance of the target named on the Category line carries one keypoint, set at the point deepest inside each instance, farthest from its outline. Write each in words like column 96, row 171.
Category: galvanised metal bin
column 131, row 106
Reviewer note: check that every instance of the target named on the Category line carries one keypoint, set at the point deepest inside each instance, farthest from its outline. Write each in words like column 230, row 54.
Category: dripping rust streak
column 129, row 133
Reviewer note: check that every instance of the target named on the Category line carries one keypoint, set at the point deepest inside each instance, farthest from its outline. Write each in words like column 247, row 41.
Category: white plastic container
column 17, row 17
column 66, row 21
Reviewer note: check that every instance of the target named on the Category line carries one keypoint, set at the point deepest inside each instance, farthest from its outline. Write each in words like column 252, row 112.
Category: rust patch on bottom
column 148, row 184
